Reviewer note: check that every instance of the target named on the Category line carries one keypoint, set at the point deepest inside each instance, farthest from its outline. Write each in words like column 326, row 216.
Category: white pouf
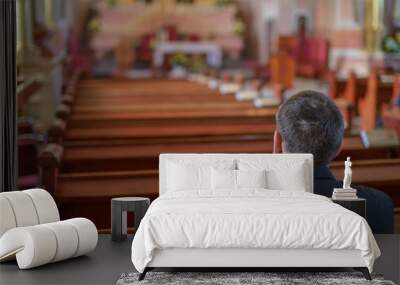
column 87, row 233
column 31, row 231
column 32, row 246
column 45, row 206
column 22, row 207
column 67, row 237
column 7, row 220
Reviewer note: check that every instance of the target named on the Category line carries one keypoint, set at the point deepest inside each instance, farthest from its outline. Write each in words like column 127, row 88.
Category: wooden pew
column 355, row 89
column 92, row 158
column 25, row 90
column 391, row 111
column 356, row 150
column 342, row 92
column 370, row 105
column 145, row 125
column 351, row 88
column 283, row 70
column 176, row 132
column 166, row 131
column 109, row 156
column 391, row 119
column 162, row 107
column 366, row 95
column 336, row 85
column 91, row 95
column 183, row 117
column 109, row 90
column 201, row 121
column 118, row 119
column 157, row 108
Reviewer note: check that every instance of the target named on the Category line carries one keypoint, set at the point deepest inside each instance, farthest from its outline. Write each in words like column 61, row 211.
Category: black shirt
column 380, row 215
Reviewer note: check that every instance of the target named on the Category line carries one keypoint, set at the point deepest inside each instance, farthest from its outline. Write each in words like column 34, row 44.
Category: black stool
column 119, row 207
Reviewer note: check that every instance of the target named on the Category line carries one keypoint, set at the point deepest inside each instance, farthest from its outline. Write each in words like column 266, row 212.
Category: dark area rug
column 228, row 278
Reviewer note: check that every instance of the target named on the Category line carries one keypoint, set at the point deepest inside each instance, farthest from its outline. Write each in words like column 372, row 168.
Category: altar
column 212, row 50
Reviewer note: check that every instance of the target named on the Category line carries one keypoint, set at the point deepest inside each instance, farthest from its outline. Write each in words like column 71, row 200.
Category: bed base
column 363, row 270
column 242, row 259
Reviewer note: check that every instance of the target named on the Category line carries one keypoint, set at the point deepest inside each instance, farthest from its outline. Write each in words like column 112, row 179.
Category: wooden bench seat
column 164, row 106
column 138, row 132
column 366, row 95
column 166, row 117
column 117, row 99
column 391, row 119
column 81, row 158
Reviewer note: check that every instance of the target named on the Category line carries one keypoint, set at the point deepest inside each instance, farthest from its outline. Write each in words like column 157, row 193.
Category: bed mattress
column 253, row 219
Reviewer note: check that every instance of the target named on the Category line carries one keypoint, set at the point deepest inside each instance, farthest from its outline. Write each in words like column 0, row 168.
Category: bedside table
column 358, row 206
column 119, row 207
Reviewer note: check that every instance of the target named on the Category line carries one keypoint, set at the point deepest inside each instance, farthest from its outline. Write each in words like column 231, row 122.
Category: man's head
column 309, row 122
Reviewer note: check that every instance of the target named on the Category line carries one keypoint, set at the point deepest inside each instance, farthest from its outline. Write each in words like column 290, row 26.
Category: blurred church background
column 105, row 86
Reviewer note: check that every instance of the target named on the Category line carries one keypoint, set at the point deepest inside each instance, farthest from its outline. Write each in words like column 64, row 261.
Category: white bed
column 247, row 210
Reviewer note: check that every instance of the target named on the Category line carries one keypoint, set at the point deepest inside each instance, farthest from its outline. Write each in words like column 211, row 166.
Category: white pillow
column 223, row 179
column 281, row 175
column 237, row 179
column 188, row 177
column 193, row 174
column 293, row 180
column 251, row 178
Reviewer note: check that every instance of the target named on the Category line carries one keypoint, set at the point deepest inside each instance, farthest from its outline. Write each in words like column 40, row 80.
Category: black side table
column 358, row 206
column 119, row 207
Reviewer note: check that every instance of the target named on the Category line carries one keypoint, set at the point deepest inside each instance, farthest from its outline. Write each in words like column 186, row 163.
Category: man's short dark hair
column 310, row 122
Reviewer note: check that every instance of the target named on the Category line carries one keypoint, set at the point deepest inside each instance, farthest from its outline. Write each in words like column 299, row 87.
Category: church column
column 26, row 49
column 47, row 71
column 39, row 11
column 51, row 24
column 49, row 14
column 20, row 25
column 29, row 60
column 346, row 37
column 373, row 27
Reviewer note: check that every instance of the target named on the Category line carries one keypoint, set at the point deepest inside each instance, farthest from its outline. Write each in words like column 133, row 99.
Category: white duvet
column 250, row 219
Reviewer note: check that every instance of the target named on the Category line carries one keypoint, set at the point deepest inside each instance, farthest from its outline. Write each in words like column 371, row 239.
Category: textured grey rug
column 228, row 278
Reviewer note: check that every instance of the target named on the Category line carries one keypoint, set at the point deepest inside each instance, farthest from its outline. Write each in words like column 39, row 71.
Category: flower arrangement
column 391, row 43
column 195, row 63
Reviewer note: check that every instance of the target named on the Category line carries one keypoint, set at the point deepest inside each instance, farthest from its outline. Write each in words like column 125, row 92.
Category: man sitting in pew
column 309, row 122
